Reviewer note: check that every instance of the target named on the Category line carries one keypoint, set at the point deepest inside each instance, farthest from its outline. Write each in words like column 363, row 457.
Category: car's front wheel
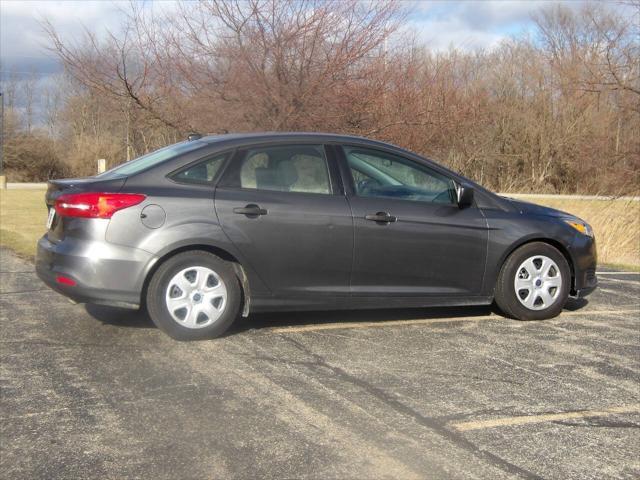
column 534, row 283
column 194, row 295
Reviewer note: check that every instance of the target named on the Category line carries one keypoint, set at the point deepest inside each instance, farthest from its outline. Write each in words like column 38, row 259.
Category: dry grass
column 616, row 223
column 23, row 216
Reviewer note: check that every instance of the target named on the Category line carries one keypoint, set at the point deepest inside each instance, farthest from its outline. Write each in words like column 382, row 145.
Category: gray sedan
column 205, row 230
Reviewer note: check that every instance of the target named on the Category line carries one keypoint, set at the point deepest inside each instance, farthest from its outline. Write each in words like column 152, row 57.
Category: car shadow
column 258, row 321
column 123, row 317
column 575, row 304
column 120, row 317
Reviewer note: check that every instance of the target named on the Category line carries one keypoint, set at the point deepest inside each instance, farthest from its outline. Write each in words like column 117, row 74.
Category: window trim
column 231, row 177
column 350, row 181
column 228, row 154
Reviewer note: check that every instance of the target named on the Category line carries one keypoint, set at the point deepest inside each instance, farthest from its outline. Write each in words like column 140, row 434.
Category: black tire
column 505, row 292
column 156, row 292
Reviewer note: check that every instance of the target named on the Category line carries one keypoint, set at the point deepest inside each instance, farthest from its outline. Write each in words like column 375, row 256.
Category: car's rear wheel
column 194, row 295
column 534, row 282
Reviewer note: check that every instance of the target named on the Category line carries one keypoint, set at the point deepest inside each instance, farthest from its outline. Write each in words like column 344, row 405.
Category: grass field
column 23, row 215
column 616, row 224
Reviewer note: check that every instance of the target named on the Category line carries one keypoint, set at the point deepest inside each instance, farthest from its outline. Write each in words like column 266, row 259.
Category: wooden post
column 102, row 165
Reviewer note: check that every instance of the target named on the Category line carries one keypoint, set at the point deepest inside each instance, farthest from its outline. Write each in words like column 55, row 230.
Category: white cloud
column 494, row 14
column 474, row 24
column 22, row 40
column 453, row 32
column 62, row 10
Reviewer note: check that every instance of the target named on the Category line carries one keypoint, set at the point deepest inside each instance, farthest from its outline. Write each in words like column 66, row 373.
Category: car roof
column 259, row 137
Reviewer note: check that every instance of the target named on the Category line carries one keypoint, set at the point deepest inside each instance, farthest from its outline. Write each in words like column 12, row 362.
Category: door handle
column 381, row 217
column 251, row 210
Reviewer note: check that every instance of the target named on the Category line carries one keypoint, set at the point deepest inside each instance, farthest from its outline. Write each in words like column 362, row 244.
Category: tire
column 194, row 295
column 534, row 283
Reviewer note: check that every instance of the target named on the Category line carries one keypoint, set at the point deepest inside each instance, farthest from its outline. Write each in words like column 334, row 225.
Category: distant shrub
column 31, row 157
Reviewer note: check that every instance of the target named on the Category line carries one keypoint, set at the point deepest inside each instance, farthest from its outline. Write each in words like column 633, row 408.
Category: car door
column 411, row 238
column 281, row 205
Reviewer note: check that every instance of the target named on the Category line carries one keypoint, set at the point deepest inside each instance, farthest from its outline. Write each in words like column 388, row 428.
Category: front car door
column 283, row 208
column 411, row 238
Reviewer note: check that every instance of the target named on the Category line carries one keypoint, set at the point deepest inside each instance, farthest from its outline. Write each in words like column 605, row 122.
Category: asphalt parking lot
column 94, row 392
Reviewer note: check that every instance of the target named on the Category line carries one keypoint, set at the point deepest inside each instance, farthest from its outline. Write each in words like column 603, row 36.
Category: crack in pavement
column 431, row 423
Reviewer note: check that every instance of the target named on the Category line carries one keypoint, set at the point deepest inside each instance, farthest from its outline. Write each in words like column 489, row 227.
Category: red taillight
column 65, row 280
column 95, row 204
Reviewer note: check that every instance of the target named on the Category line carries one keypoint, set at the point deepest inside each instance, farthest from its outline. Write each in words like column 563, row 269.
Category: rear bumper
column 104, row 273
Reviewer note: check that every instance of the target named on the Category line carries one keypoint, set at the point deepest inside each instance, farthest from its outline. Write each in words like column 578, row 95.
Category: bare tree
column 267, row 63
column 52, row 101
column 28, row 88
column 557, row 112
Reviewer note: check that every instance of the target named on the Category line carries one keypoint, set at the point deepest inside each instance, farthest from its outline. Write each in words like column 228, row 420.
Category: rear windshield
column 150, row 159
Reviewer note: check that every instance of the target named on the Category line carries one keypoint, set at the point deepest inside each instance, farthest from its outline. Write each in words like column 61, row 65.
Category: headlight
column 583, row 227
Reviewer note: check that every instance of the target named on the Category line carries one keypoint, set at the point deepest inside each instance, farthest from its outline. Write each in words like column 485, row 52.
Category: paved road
column 100, row 393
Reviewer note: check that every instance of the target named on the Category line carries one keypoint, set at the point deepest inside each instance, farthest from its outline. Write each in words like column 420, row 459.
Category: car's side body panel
column 302, row 246
column 429, row 250
column 190, row 221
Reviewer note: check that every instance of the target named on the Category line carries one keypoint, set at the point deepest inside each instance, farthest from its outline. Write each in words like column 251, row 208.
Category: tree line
column 554, row 110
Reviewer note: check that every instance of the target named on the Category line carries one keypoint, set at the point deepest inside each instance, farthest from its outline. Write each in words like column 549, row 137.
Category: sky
column 462, row 24
column 440, row 24
column 22, row 41
column 475, row 24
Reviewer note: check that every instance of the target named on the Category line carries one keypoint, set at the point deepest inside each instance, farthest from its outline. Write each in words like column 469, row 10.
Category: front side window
column 201, row 172
column 291, row 168
column 381, row 174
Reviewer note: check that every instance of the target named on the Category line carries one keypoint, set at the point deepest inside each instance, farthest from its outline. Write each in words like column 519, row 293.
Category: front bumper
column 585, row 261
column 104, row 273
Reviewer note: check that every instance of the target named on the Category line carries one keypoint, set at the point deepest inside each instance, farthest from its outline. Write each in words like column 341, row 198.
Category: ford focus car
column 215, row 227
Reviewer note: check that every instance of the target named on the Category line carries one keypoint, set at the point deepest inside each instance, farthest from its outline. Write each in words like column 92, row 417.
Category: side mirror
column 465, row 196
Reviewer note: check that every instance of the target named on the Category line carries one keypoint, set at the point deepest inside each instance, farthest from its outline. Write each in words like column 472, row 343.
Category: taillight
column 66, row 281
column 95, row 204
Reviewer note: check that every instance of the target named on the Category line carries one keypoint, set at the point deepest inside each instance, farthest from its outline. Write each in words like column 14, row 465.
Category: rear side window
column 291, row 168
column 151, row 159
column 202, row 172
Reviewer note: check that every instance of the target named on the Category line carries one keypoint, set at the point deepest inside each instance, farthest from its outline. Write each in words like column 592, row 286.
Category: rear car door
column 283, row 208
column 411, row 238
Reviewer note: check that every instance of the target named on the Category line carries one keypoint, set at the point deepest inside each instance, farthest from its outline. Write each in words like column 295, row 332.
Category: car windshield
column 150, row 159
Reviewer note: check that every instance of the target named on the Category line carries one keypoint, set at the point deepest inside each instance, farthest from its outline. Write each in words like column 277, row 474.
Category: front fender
column 509, row 231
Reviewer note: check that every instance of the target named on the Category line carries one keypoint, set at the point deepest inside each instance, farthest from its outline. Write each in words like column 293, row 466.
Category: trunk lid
column 58, row 227
column 55, row 188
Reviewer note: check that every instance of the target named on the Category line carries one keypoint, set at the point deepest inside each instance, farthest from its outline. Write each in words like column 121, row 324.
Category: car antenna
column 194, row 136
